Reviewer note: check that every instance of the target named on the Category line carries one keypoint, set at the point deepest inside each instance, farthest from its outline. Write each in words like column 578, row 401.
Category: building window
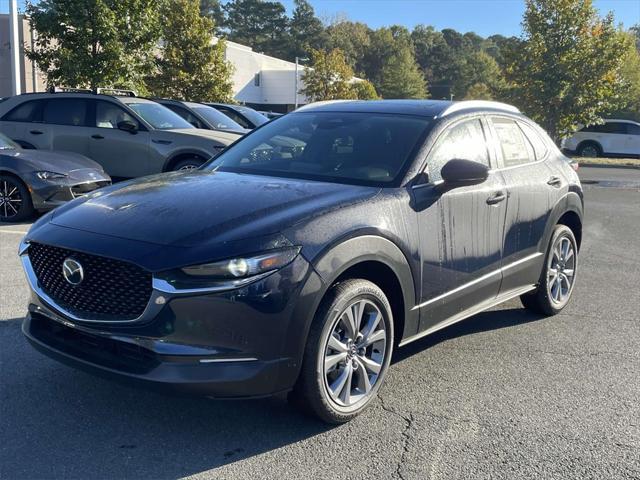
column 256, row 80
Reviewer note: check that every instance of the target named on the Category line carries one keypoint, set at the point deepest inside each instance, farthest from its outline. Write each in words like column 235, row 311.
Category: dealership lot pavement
column 506, row 394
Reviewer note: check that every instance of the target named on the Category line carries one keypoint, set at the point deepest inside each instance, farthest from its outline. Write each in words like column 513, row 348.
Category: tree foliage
column 364, row 90
column 305, row 30
column 328, row 78
column 190, row 66
column 212, row 9
column 567, row 69
column 92, row 43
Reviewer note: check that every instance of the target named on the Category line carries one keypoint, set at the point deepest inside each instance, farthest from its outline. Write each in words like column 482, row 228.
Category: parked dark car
column 202, row 116
column 33, row 180
column 271, row 270
column 245, row 116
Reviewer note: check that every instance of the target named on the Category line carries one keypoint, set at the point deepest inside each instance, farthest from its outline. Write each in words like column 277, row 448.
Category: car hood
column 227, row 138
column 60, row 162
column 196, row 208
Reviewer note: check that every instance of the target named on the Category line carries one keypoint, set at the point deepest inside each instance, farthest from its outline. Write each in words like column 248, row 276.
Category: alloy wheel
column 187, row 167
column 589, row 151
column 561, row 270
column 10, row 200
column 354, row 353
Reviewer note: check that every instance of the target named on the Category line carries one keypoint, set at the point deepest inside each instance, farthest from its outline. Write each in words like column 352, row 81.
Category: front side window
column 108, row 115
column 633, row 129
column 186, row 114
column 516, row 149
column 7, row 144
column 26, row 112
column 464, row 141
column 66, row 111
column 216, row 119
column 358, row 148
column 159, row 116
column 234, row 116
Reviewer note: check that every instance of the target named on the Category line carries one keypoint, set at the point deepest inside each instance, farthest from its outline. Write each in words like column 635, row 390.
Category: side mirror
column 128, row 126
column 460, row 173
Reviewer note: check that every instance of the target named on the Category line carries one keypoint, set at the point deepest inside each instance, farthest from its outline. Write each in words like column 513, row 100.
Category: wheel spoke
column 337, row 345
column 364, row 383
column 332, row 360
column 369, row 364
column 371, row 325
column 568, row 272
column 353, row 318
column 338, row 384
column 373, row 338
column 569, row 255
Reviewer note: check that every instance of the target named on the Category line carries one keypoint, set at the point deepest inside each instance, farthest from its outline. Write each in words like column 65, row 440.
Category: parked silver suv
column 128, row 136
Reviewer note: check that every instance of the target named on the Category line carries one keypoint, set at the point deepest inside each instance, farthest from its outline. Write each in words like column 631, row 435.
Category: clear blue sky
column 485, row 17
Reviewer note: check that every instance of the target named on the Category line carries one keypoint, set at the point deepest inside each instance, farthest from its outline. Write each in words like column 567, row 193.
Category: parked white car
column 613, row 137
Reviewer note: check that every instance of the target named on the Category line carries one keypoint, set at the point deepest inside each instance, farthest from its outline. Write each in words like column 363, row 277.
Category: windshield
column 159, row 116
column 360, row 148
column 256, row 118
column 216, row 119
column 7, row 144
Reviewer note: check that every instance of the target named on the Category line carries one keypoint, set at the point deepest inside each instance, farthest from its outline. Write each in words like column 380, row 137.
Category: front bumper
column 245, row 342
column 49, row 194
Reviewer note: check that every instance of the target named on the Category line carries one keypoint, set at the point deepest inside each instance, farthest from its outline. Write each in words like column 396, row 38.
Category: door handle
column 97, row 137
column 554, row 181
column 496, row 198
column 35, row 132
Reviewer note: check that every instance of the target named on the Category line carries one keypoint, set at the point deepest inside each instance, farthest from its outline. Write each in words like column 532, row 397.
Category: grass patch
column 631, row 162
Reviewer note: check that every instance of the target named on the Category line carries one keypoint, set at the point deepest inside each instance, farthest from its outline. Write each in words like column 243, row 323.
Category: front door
column 461, row 230
column 121, row 153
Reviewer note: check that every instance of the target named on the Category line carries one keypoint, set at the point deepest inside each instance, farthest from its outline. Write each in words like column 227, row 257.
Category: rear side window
column 239, row 119
column 66, row 111
column 515, row 147
column 464, row 141
column 539, row 146
column 26, row 112
column 609, row 127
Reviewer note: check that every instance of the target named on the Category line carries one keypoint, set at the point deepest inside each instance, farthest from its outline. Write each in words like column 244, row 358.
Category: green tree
column 630, row 74
column 479, row 68
column 305, row 30
column 190, row 66
column 567, row 69
column 353, row 39
column 364, row 90
column 213, row 9
column 401, row 76
column 328, row 78
column 259, row 24
column 92, row 43
column 479, row 91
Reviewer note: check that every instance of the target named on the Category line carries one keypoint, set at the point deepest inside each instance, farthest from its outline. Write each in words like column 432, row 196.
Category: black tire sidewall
column 195, row 161
column 26, row 210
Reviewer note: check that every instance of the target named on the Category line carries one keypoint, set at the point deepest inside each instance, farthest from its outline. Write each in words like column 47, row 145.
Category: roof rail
column 120, row 92
column 55, row 89
column 468, row 104
column 308, row 106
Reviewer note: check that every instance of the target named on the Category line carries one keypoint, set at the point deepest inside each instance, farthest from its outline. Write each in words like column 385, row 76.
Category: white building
column 260, row 81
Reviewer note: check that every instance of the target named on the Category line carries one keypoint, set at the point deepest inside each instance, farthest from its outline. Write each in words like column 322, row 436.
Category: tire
column 312, row 391
column 552, row 296
column 589, row 149
column 188, row 164
column 15, row 200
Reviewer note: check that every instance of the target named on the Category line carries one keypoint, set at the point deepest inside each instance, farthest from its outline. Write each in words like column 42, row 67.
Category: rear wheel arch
column 568, row 211
column 588, row 143
column 26, row 145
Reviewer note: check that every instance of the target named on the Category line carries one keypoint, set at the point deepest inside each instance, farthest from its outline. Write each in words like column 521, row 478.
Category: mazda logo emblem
column 72, row 271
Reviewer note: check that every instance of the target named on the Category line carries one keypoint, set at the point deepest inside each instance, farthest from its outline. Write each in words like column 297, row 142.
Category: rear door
column 532, row 191
column 121, row 154
column 67, row 119
column 23, row 124
column 461, row 230
column 632, row 144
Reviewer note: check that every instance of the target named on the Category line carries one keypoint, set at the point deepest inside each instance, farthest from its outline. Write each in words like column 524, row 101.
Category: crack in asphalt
column 405, row 433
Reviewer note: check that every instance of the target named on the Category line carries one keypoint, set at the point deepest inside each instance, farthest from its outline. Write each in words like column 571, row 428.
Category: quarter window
column 66, row 111
column 464, row 141
column 26, row 112
column 516, row 149
column 539, row 146
column 108, row 115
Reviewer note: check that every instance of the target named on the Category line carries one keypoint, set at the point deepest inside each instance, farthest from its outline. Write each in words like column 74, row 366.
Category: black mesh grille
column 110, row 290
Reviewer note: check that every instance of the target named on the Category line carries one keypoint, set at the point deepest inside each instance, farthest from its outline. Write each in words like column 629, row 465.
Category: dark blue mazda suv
column 300, row 257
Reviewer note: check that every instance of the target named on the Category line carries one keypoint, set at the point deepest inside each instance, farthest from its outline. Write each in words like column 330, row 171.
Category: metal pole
column 14, row 39
column 296, row 86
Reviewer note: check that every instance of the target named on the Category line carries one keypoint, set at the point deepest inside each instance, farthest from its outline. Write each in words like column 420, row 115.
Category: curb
column 604, row 165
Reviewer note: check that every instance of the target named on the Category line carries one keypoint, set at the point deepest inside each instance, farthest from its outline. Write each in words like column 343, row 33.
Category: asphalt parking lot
column 506, row 394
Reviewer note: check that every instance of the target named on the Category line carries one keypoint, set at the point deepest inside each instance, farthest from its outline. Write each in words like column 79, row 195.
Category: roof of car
column 426, row 108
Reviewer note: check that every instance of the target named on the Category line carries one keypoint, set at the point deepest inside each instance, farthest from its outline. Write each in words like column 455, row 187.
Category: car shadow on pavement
column 482, row 322
column 57, row 422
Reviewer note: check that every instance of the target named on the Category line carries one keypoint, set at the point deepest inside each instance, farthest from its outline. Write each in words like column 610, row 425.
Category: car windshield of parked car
column 359, row 148
column 7, row 144
column 217, row 119
column 159, row 116
column 256, row 118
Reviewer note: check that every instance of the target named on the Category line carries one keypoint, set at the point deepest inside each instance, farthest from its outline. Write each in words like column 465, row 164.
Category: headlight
column 244, row 267
column 45, row 175
column 225, row 274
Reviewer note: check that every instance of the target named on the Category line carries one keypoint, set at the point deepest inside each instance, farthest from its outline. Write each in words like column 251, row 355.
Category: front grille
column 111, row 289
column 96, row 349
